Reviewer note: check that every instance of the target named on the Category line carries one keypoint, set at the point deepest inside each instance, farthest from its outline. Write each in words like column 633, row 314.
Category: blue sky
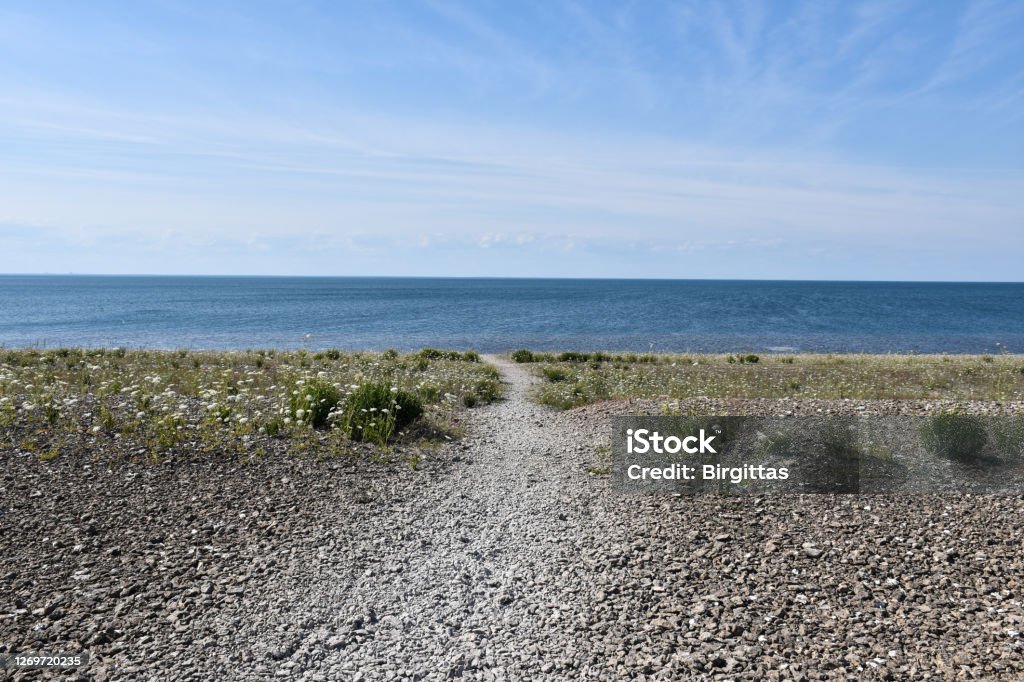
column 876, row 140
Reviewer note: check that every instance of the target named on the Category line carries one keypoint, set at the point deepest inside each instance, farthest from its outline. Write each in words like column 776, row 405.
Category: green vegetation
column 749, row 359
column 158, row 405
column 526, row 356
column 314, row 403
column 573, row 379
column 954, row 436
column 435, row 354
column 1008, row 437
column 376, row 412
column 522, row 355
column 555, row 374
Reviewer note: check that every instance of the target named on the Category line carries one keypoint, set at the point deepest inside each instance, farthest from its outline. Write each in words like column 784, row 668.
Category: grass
column 954, row 436
column 376, row 411
column 573, row 379
column 315, row 402
column 159, row 405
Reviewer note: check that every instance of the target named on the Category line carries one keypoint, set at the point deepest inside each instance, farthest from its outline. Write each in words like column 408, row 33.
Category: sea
column 494, row 315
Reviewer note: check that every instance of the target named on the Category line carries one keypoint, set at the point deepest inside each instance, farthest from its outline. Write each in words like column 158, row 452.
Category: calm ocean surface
column 502, row 314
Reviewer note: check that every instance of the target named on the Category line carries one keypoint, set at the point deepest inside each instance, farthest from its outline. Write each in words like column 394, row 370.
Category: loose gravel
column 502, row 557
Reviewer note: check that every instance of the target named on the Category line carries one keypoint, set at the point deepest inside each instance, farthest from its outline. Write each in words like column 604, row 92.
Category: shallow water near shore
column 494, row 315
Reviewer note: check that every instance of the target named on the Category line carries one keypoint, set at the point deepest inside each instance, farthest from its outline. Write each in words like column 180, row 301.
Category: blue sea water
column 502, row 314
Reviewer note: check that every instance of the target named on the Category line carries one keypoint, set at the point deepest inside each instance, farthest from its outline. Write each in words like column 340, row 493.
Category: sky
column 761, row 140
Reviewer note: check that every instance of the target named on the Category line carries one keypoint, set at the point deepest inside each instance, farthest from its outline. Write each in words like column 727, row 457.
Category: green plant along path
column 179, row 404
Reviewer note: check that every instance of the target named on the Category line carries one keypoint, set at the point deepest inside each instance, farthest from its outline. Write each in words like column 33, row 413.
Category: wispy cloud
column 555, row 128
column 986, row 32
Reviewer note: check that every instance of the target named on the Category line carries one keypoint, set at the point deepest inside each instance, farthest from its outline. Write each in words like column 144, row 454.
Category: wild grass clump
column 522, row 355
column 750, row 359
column 954, row 436
column 435, row 354
column 313, row 403
column 377, row 411
column 555, row 374
column 488, row 389
column 578, row 357
column 573, row 356
column 1008, row 437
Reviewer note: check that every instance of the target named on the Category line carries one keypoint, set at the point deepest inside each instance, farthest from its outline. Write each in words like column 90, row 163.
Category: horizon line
column 511, row 277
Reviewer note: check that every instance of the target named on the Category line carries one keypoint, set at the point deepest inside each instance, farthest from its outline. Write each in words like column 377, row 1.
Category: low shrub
column 522, row 355
column 555, row 374
column 435, row 354
column 487, row 390
column 749, row 358
column 314, row 402
column 376, row 412
column 954, row 436
column 1008, row 436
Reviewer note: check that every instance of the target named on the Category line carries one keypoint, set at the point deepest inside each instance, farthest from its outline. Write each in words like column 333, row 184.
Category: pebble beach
column 502, row 556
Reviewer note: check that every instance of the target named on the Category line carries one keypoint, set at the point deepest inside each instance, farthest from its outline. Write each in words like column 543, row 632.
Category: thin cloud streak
column 457, row 126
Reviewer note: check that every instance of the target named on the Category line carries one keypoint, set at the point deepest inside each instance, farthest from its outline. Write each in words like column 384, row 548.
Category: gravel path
column 502, row 558
column 474, row 573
